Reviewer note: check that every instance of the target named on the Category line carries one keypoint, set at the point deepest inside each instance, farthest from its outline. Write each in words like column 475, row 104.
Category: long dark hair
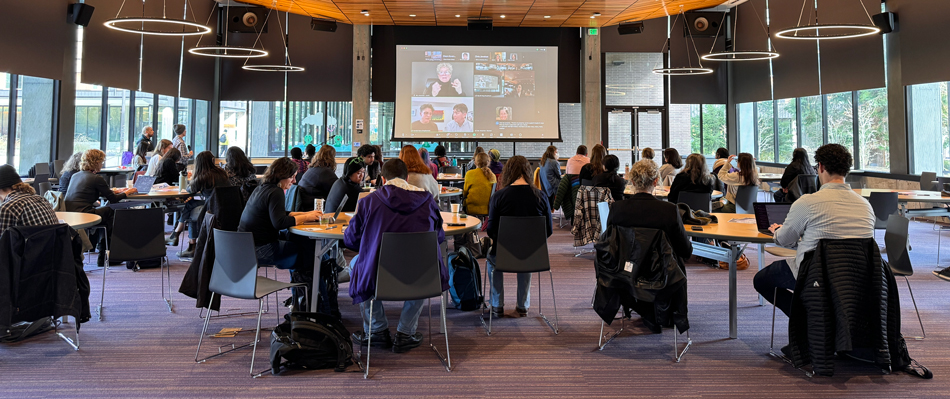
column 516, row 168
column 311, row 150
column 548, row 154
column 800, row 155
column 747, row 170
column 673, row 158
column 237, row 163
column 597, row 155
column 170, row 159
column 206, row 172
column 142, row 150
column 295, row 153
column 696, row 169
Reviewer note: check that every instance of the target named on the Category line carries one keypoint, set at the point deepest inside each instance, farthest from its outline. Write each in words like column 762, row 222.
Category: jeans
column 408, row 320
column 777, row 275
column 498, row 286
column 281, row 254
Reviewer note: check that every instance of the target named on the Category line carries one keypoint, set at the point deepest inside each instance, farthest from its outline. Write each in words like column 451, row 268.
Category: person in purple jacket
column 397, row 206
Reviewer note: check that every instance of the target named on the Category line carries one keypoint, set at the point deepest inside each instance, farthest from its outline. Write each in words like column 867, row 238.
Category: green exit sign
column 592, row 31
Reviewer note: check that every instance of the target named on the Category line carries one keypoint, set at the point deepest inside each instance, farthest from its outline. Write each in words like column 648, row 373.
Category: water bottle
column 626, row 170
column 183, row 180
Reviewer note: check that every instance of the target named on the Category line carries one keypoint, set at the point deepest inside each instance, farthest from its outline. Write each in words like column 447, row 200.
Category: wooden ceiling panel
column 564, row 13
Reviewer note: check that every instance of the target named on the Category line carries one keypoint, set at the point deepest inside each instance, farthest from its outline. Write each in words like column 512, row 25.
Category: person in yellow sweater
column 478, row 182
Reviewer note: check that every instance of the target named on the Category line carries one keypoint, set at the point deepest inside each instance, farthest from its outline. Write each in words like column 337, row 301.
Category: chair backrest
column 43, row 188
column 884, row 205
column 235, row 265
column 696, row 201
column 895, row 242
column 40, row 178
column 522, row 245
column 135, row 177
column 291, row 199
column 604, row 209
column 801, row 185
column 941, row 182
column 137, row 234
column 41, row 168
column 450, row 170
column 745, row 197
column 260, row 169
column 926, row 181
column 406, row 276
column 58, row 167
column 587, row 182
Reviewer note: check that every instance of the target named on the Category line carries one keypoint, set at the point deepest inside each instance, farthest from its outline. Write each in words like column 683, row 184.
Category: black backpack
column 465, row 280
column 310, row 341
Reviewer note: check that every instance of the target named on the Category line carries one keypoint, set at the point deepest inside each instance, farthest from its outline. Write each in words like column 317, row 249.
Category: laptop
column 768, row 213
column 339, row 208
column 144, row 184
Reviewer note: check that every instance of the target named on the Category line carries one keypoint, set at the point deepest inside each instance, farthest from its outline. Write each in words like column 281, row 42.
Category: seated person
column 835, row 211
column 153, row 162
column 441, row 160
column 371, row 163
column 207, row 176
column 169, row 169
column 471, row 163
column 140, row 160
column 693, row 179
column 596, row 165
column 70, row 168
column 445, row 86
column 798, row 166
column 672, row 164
column 495, row 165
column 746, row 175
column 517, row 198
column 424, row 154
column 459, row 122
column 397, row 206
column 575, row 163
column 85, row 189
column 419, row 173
column 551, row 172
column 610, row 178
column 425, row 123
column 350, row 185
column 319, row 179
column 266, row 215
column 296, row 155
column 722, row 157
column 19, row 204
column 477, row 188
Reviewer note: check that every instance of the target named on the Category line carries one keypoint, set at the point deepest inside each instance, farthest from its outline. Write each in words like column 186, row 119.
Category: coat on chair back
column 586, row 227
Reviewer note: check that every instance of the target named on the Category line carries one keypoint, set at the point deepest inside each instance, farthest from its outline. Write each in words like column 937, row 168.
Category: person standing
column 147, row 137
column 179, row 143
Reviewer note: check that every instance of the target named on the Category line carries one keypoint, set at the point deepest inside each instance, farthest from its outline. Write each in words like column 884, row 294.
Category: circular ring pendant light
column 273, row 68
column 157, row 26
column 228, row 52
column 745, row 55
column 828, row 32
column 683, row 71
column 687, row 70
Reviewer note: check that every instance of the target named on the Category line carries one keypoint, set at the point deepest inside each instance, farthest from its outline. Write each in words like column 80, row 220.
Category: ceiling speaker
column 247, row 20
column 887, row 21
column 704, row 24
column 630, row 28
column 79, row 13
column 323, row 25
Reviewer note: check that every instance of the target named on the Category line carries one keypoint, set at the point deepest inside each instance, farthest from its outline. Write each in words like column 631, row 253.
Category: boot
column 173, row 239
column 188, row 253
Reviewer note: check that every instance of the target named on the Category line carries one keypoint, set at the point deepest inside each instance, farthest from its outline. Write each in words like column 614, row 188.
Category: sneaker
column 522, row 312
column 497, row 312
column 405, row 342
column 943, row 274
column 380, row 339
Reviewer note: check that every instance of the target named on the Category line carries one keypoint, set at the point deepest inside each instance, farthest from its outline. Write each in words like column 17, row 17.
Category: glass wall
column 4, row 114
column 165, row 119
column 766, row 132
column 929, row 128
column 34, row 121
column 144, row 112
column 840, row 119
column 786, row 121
column 200, row 117
column 117, row 133
column 88, row 129
column 746, row 122
column 872, row 130
column 812, row 123
column 714, row 128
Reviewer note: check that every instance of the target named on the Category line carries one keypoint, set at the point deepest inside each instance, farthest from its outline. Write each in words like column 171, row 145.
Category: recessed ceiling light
column 412, row 15
column 596, row 14
column 457, row 15
column 364, row 12
column 547, row 16
column 502, row 16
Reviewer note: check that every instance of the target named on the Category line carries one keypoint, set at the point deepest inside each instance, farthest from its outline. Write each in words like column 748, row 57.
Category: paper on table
column 743, row 220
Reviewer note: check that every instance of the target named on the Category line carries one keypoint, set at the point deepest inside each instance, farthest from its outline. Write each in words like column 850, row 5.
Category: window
column 872, row 130
column 144, row 103
column 714, row 128
column 117, row 133
column 4, row 115
column 265, row 129
column 746, row 120
column 786, row 120
column 927, row 125
column 183, row 117
column 840, row 119
column 200, row 134
column 339, row 127
column 766, row 131
column 812, row 123
column 630, row 79
column 88, row 130
column 695, row 128
column 34, row 122
column 165, row 119
column 232, row 125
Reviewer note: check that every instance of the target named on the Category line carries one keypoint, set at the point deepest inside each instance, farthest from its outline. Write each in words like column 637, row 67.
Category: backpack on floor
column 310, row 341
column 465, row 280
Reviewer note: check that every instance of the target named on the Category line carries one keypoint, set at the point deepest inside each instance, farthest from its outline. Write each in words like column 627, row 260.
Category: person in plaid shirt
column 19, row 204
column 179, row 143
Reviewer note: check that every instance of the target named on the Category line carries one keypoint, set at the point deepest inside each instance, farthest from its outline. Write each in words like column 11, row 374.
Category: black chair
column 801, row 185
column 895, row 243
column 451, row 170
column 522, row 247
column 745, row 197
column 234, row 274
column 260, row 169
column 402, row 276
column 40, row 178
column 139, row 235
column 696, row 201
column 884, row 205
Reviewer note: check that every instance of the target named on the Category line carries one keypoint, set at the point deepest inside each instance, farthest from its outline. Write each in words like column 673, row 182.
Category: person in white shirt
column 163, row 147
column 834, row 212
column 459, row 122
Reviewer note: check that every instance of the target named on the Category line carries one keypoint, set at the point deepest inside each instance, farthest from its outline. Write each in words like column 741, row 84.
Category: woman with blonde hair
column 478, row 183
column 747, row 175
column 319, row 179
column 420, row 175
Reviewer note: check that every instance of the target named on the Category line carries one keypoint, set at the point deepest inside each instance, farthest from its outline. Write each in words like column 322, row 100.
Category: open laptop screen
column 768, row 213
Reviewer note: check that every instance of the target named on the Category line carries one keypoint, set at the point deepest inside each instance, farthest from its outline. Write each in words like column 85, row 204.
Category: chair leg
column 601, row 344
column 166, row 271
column 369, row 338
column 923, row 334
column 204, row 329
column 105, row 270
column 808, row 374
column 73, row 342
column 677, row 354
column 481, row 317
column 446, row 360
column 554, row 327
column 257, row 337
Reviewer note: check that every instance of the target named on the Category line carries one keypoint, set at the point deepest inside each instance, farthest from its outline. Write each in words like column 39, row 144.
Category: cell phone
column 696, row 228
column 457, row 224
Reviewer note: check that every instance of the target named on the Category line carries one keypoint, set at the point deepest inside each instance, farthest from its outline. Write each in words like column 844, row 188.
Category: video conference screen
column 476, row 93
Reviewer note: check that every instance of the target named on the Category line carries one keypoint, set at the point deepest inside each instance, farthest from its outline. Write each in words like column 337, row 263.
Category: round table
column 457, row 177
column 735, row 234
column 907, row 195
column 112, row 172
column 450, row 192
column 79, row 220
column 332, row 233
column 162, row 193
column 663, row 192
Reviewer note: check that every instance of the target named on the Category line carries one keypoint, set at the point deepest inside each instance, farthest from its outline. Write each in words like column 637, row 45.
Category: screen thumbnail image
column 503, row 113
column 431, row 115
column 519, row 83
column 442, row 79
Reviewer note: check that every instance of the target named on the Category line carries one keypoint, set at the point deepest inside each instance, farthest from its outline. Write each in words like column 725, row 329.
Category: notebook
column 144, row 184
column 768, row 213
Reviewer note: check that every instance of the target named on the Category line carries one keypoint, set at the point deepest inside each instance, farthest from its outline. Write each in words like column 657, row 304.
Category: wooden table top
column 167, row 192
column 335, row 230
column 79, row 220
column 770, row 176
column 116, row 170
column 731, row 231
column 450, row 177
column 906, row 195
column 663, row 192
column 450, row 192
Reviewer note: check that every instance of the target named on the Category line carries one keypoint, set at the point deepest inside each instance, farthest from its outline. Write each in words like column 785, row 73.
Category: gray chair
column 745, row 197
column 58, row 165
column 234, row 274
column 139, row 235
column 42, row 188
column 696, row 201
column 522, row 247
column 408, row 276
column 884, row 205
column 926, row 181
column 895, row 242
column 39, row 179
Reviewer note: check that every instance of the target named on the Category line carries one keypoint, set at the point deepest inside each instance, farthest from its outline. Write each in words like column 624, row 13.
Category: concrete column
column 65, row 133
column 896, row 111
column 592, row 104
column 361, row 84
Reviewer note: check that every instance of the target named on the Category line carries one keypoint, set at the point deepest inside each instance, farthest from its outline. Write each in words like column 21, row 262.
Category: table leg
column 733, row 301
column 322, row 247
column 761, row 266
column 445, row 294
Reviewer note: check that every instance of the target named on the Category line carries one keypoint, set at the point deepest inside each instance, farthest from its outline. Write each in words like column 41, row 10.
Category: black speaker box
column 79, row 13
column 887, row 21
column 479, row 24
column 704, row 24
column 630, row 28
column 323, row 25
column 247, row 19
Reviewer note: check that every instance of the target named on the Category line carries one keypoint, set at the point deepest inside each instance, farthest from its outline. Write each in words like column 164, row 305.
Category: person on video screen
column 425, row 122
column 459, row 122
column 518, row 91
column 445, row 86
column 504, row 114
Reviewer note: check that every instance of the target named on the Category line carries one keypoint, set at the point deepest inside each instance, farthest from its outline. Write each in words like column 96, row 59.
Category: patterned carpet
column 141, row 350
